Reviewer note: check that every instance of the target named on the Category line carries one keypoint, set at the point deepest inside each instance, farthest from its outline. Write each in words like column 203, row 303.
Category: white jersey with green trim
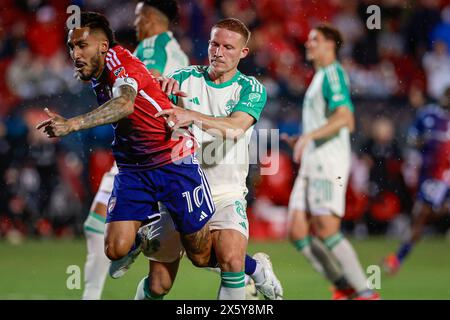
column 161, row 52
column 225, row 161
column 328, row 90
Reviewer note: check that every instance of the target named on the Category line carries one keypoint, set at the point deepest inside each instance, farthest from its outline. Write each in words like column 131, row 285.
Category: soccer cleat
column 251, row 293
column 118, row 268
column 391, row 264
column 271, row 287
column 368, row 295
column 344, row 294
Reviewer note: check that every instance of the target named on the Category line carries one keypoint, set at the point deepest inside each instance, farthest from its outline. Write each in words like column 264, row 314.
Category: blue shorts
column 433, row 191
column 180, row 186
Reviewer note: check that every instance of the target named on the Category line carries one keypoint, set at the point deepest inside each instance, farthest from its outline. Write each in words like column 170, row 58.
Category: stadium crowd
column 46, row 185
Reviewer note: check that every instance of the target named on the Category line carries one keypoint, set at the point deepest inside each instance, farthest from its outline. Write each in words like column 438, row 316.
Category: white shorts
column 106, row 186
column 163, row 242
column 319, row 196
column 231, row 215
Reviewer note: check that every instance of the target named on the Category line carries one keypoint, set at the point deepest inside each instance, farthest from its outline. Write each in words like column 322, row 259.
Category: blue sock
column 403, row 251
column 250, row 265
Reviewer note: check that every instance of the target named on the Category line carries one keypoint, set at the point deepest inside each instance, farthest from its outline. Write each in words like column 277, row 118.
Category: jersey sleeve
column 125, row 69
column 153, row 53
column 252, row 99
column 336, row 89
column 180, row 75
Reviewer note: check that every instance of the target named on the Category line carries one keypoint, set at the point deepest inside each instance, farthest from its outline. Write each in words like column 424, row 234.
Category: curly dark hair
column 95, row 20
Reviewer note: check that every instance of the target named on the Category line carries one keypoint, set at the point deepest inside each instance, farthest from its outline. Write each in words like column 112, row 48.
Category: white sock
column 232, row 286
column 348, row 259
column 140, row 291
column 96, row 267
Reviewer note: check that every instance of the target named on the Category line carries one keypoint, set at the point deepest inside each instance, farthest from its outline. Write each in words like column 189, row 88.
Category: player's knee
column 116, row 249
column 199, row 260
column 160, row 287
column 231, row 262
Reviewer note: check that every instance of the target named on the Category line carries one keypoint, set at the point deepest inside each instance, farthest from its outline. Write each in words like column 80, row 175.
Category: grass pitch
column 37, row 269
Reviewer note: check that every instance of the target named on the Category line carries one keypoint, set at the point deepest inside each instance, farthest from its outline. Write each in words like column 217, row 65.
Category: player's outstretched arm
column 341, row 117
column 231, row 127
column 112, row 111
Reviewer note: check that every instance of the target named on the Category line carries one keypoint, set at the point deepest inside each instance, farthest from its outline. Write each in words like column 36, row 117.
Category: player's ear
column 244, row 52
column 104, row 46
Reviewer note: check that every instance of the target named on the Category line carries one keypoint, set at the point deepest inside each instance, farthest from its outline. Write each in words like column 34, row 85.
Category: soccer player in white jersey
column 158, row 49
column 323, row 149
column 161, row 54
column 222, row 108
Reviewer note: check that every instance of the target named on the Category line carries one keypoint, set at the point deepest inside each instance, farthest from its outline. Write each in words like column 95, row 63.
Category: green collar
column 220, row 85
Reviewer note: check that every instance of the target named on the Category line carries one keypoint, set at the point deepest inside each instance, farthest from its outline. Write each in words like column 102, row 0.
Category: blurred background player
column 161, row 54
column 430, row 135
column 223, row 106
column 323, row 150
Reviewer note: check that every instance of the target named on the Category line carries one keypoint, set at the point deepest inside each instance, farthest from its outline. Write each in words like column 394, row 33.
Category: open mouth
column 79, row 65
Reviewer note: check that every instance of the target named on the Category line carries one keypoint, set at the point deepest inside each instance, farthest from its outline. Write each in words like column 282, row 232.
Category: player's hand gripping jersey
column 225, row 161
column 141, row 141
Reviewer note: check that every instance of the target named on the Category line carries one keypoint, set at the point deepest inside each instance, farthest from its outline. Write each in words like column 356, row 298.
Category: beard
column 91, row 69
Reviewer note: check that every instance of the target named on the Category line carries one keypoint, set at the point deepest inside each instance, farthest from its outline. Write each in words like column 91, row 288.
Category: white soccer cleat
column 118, row 268
column 271, row 287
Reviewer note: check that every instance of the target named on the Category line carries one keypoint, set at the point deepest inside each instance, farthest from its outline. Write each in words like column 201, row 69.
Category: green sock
column 300, row 244
column 148, row 294
column 232, row 286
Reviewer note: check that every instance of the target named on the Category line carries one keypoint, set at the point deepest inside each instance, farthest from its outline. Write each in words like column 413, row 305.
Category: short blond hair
column 234, row 25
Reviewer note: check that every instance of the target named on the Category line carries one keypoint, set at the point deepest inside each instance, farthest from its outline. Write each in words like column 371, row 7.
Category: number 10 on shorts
column 197, row 196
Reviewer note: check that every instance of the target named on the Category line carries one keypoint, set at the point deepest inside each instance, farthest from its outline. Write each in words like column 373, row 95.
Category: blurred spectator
column 442, row 30
column 424, row 18
column 349, row 23
column 437, row 67
column 383, row 157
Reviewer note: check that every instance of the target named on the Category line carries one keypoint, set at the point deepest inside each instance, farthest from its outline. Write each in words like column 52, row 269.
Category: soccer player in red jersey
column 153, row 166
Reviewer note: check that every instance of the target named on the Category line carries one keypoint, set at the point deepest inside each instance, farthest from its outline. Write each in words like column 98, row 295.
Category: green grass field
column 37, row 270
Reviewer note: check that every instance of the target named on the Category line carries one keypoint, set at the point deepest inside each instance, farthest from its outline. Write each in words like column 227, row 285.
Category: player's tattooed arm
column 109, row 112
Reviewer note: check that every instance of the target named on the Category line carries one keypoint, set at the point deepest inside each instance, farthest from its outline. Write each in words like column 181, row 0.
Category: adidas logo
column 203, row 216
column 195, row 101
